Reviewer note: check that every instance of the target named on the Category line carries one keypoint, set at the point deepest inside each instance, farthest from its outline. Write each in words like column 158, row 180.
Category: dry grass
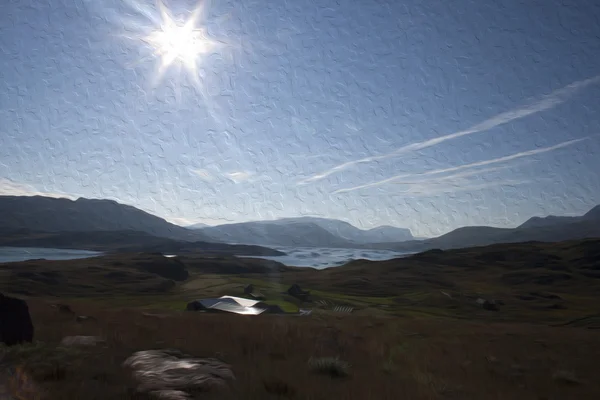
column 416, row 332
column 390, row 358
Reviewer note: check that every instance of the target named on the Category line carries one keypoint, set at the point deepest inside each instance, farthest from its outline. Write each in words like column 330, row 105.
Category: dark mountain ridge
column 536, row 229
column 38, row 213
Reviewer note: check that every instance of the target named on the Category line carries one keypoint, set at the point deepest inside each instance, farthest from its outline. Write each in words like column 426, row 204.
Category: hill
column 304, row 232
column 38, row 213
column 120, row 274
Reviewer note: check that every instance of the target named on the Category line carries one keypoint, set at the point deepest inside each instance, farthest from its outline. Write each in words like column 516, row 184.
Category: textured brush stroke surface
column 427, row 115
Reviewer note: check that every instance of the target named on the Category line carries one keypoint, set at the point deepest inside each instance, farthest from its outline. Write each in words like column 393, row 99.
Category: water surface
column 12, row 254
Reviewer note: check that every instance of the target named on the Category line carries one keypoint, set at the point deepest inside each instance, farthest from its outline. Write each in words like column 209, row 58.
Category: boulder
column 16, row 326
column 171, row 375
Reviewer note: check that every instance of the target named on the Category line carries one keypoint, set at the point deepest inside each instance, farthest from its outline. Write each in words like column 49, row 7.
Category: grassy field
column 416, row 330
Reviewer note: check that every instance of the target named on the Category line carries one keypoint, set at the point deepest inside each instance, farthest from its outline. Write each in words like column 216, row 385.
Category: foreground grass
column 320, row 357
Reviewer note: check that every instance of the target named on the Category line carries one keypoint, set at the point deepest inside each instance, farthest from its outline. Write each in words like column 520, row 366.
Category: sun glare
column 185, row 43
column 180, row 42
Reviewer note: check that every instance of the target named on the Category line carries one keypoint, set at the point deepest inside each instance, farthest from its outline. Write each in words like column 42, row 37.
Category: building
column 231, row 304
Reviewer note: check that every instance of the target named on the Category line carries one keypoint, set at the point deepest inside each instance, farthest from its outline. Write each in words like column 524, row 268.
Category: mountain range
column 539, row 229
column 304, row 231
column 88, row 223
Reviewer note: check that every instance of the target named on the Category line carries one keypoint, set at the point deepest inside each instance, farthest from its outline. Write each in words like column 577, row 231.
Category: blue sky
column 429, row 115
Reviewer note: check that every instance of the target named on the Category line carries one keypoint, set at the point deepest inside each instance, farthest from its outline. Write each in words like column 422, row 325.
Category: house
column 231, row 304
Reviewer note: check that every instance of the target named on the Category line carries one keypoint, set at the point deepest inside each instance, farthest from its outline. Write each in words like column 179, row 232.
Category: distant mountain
column 388, row 233
column 38, row 213
column 351, row 233
column 304, row 231
column 271, row 233
column 546, row 229
column 551, row 220
column 593, row 214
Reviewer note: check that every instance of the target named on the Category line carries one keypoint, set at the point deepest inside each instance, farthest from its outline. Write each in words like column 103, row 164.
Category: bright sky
column 428, row 115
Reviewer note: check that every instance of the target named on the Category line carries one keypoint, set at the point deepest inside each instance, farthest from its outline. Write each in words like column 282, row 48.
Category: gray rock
column 171, row 375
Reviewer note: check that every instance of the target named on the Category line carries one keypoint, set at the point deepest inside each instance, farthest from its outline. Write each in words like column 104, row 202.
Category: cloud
column 179, row 221
column 12, row 188
column 546, row 102
column 239, row 176
column 203, row 174
column 511, row 157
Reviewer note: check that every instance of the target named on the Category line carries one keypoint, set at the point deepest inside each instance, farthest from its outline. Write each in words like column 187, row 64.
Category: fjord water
column 12, row 254
column 295, row 256
column 324, row 257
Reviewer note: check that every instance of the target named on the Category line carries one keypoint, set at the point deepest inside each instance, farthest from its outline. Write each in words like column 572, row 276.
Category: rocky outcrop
column 171, row 375
column 16, row 326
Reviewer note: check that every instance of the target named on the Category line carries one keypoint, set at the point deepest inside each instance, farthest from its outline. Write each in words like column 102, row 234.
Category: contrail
column 465, row 166
column 426, row 191
column 547, row 102
column 460, row 175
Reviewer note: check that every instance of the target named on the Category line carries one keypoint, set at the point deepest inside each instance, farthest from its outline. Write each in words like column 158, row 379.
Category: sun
column 184, row 42
column 181, row 43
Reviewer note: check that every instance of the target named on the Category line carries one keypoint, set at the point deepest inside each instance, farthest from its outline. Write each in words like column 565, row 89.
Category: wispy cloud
column 239, row 176
column 546, row 102
column 511, row 157
column 12, row 188
column 203, row 174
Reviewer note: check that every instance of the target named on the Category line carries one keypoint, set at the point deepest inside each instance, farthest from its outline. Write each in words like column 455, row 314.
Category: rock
column 81, row 341
column 82, row 318
column 489, row 305
column 171, row 375
column 15, row 322
column 566, row 377
column 63, row 308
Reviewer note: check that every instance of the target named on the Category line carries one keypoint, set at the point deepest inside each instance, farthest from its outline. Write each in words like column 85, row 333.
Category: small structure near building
column 231, row 304
column 249, row 291
column 297, row 292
